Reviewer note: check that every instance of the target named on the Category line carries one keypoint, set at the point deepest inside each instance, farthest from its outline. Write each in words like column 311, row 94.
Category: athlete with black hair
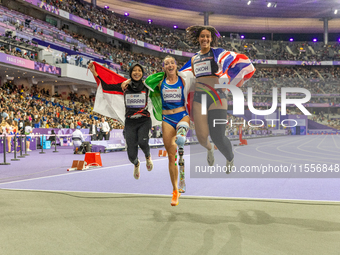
column 208, row 66
column 137, row 116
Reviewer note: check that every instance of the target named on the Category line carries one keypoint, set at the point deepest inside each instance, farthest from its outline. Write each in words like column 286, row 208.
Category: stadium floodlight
column 275, row 5
column 175, row 27
column 242, row 36
column 263, row 38
column 126, row 14
column 249, row 2
column 291, row 39
column 269, row 4
column 315, row 40
column 335, row 11
column 106, row 7
column 150, row 21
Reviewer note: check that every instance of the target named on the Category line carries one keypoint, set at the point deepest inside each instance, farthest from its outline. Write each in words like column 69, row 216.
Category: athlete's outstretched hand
column 125, row 84
column 92, row 69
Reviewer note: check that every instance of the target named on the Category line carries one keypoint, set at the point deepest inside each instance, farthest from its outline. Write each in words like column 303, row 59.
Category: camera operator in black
column 137, row 116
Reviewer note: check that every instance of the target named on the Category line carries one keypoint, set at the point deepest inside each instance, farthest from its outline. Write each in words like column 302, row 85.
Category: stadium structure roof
column 289, row 16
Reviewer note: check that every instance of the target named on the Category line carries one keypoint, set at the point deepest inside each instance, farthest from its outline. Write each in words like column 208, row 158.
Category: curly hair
column 195, row 31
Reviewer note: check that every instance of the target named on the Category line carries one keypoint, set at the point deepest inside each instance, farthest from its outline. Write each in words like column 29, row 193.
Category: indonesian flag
column 109, row 103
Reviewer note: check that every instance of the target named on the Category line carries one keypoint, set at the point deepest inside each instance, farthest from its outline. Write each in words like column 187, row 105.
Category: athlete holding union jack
column 208, row 66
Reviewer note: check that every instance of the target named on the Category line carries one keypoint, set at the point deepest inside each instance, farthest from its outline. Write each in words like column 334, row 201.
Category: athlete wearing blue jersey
column 172, row 98
column 175, row 118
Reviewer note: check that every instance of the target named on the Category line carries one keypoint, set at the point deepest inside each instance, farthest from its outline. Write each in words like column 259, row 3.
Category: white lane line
column 319, row 153
column 78, row 172
column 284, row 159
column 335, row 142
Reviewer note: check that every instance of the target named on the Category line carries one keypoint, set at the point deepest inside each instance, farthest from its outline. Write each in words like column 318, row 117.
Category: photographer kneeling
column 78, row 139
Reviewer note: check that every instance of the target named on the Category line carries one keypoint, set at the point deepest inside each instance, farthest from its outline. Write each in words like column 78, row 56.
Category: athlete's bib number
column 172, row 95
column 135, row 100
column 203, row 68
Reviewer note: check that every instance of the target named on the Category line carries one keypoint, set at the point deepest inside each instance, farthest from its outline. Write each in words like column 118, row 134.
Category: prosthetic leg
column 182, row 129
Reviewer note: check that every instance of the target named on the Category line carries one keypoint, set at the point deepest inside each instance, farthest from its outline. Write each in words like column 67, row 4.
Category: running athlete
column 137, row 116
column 175, row 122
column 208, row 65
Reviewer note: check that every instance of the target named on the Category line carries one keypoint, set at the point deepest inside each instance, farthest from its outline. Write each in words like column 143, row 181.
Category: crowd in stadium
column 176, row 39
column 317, row 80
column 42, row 110
column 254, row 50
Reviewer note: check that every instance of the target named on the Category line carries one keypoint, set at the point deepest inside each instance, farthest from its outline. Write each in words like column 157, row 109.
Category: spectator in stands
column 48, row 48
column 4, row 114
column 27, row 22
column 28, row 132
column 93, row 130
column 63, row 58
column 104, row 130
column 77, row 60
column 11, row 129
column 17, row 24
column 52, row 137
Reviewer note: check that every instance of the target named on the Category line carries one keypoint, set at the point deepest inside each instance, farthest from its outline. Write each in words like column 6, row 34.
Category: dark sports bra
column 205, row 65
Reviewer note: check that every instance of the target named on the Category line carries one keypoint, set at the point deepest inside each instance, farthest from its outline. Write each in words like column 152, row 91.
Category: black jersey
column 136, row 103
column 205, row 65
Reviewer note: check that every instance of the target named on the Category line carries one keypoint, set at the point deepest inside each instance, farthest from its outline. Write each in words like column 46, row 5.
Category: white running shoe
column 229, row 166
column 136, row 171
column 211, row 157
column 149, row 164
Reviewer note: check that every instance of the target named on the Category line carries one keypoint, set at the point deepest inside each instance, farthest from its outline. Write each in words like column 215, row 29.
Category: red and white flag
column 109, row 103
